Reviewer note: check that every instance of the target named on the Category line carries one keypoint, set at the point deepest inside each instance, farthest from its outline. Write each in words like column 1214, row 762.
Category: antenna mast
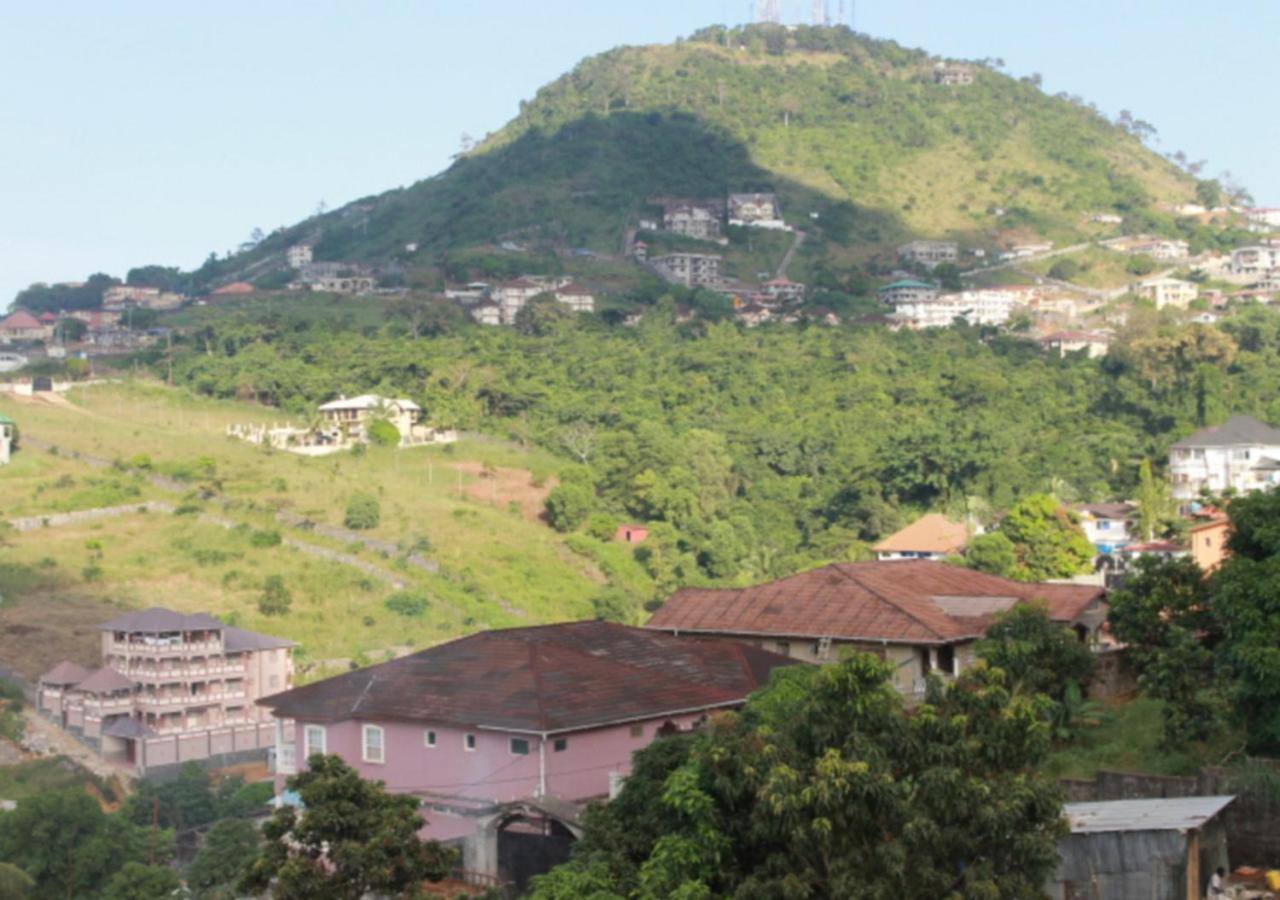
column 769, row 11
column 821, row 14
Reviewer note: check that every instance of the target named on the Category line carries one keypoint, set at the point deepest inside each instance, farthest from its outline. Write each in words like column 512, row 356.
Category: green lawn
column 1128, row 738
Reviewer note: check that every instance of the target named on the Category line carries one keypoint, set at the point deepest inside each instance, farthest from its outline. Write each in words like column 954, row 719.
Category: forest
column 754, row 453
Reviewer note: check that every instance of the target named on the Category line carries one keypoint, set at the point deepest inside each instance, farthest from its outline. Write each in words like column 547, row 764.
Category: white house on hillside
column 1167, row 292
column 1242, row 454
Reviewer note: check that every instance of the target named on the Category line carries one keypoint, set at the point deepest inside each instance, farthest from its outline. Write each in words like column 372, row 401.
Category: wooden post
column 1193, row 865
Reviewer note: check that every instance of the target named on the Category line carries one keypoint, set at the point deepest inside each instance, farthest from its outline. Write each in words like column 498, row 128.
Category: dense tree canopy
column 826, row 787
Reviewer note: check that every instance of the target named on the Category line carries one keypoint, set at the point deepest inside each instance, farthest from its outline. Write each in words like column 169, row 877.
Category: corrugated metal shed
column 1161, row 814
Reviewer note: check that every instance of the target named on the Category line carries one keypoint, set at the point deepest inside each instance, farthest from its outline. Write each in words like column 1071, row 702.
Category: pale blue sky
column 142, row 131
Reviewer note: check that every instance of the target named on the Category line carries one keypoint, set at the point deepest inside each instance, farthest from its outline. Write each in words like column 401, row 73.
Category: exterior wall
column 1107, row 535
column 490, row 773
column 1209, row 544
column 1217, row 468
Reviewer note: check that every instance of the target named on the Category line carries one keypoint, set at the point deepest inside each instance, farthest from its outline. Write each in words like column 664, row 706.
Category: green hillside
column 848, row 128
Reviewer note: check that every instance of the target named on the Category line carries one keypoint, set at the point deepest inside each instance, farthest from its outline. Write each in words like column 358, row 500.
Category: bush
column 276, row 597
column 364, row 511
column 568, row 506
column 269, row 538
column 91, row 572
column 602, row 526
column 405, row 603
column 384, row 434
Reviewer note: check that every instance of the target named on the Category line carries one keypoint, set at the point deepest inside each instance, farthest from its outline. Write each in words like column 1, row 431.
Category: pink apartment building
column 506, row 734
column 172, row 688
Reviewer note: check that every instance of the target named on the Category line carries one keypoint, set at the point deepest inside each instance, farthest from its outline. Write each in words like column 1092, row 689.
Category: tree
column 136, row 881
column 992, row 552
column 540, row 315
column 1040, row 656
column 1140, row 264
column 384, row 433
column 15, row 884
column 948, row 276
column 568, row 505
column 1246, row 606
column 1155, row 503
column 1047, row 540
column 276, row 598
column 1164, row 615
column 364, row 511
column 185, row 802
column 825, row 787
column 354, row 838
column 69, row 846
column 229, row 847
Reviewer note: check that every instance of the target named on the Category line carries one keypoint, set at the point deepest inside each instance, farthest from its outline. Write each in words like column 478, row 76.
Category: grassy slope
column 500, row 566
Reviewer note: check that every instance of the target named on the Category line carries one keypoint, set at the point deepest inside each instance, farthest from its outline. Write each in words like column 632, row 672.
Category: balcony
column 176, row 648
column 141, row 670
column 184, row 699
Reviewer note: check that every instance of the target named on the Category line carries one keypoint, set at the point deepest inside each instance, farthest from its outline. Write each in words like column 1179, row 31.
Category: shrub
column 568, row 505
column 276, row 597
column 405, row 603
column 268, row 538
column 364, row 511
column 383, row 433
column 91, row 572
column 602, row 526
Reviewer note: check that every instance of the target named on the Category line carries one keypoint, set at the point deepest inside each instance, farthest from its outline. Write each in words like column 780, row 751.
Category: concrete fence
column 53, row 520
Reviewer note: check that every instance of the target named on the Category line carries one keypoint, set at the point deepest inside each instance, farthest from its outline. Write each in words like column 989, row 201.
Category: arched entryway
column 530, row 845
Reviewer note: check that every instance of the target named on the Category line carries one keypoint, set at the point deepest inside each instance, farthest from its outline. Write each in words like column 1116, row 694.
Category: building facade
column 756, row 211
column 1108, row 526
column 172, row 688
column 689, row 269
column 1259, row 260
column 1165, row 292
column 1242, row 455
column 692, row 220
column 298, row 256
column 906, row 291
column 930, row 254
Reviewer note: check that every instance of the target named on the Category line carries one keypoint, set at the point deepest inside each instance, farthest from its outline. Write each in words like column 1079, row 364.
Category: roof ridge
column 895, row 604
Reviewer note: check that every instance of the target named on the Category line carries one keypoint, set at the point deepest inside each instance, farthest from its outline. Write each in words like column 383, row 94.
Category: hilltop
column 856, row 136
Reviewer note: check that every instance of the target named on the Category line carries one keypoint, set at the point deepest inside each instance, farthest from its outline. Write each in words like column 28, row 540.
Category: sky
column 152, row 131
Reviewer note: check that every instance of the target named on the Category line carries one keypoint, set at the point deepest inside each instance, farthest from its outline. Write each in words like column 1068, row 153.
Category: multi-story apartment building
column 692, row 220
column 929, row 253
column 1166, row 292
column 953, row 73
column 689, row 269
column 1258, row 260
column 1242, row 455
column 978, row 307
column 173, row 687
column 298, row 255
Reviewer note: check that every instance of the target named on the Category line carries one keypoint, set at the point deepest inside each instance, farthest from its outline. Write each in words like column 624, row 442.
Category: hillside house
column 1263, row 218
column 507, row 734
column 930, row 254
column 1164, row 292
column 906, row 290
column 754, row 314
column 512, row 296
column 22, row 326
column 487, row 312
column 299, row 255
column 631, row 534
column 1108, row 526
column 922, row 616
column 1242, row 454
column 782, row 290
column 1208, row 540
column 689, row 269
column 173, row 687
column 932, row 536
column 976, row 307
column 8, row 429
column 1160, row 249
column 576, row 297
column 349, row 418
column 756, row 211
column 692, row 220
column 1258, row 260
column 953, row 73
column 343, row 284
column 1095, row 344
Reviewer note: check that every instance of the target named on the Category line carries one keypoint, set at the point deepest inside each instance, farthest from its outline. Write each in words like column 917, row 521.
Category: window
column 783, row 647
column 374, row 750
column 313, row 740
column 429, row 739
column 519, row 747
column 469, row 742
column 1104, row 525
column 561, row 745
column 637, row 731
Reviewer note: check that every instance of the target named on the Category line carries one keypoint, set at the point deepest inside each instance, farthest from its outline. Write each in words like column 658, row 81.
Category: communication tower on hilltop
column 769, row 11
column 821, row 14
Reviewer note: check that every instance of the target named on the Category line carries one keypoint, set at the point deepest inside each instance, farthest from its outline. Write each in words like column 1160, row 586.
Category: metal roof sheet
column 1161, row 814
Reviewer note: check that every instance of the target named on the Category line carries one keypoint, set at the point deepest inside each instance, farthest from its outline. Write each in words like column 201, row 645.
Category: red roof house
column 920, row 614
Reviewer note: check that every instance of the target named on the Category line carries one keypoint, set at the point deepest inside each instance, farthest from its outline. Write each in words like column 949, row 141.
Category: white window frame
column 308, row 747
column 429, row 740
column 365, row 731
column 469, row 743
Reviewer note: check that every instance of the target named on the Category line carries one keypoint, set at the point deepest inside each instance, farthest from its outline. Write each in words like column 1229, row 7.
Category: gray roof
column 1237, row 430
column 105, row 681
column 128, row 728
column 157, row 619
column 1163, row 814
column 65, row 673
column 1267, row 463
column 235, row 640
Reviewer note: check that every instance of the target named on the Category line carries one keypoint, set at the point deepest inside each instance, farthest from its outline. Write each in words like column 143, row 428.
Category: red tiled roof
column 105, row 681
column 549, row 678
column 21, row 319
column 897, row 601
column 933, row 533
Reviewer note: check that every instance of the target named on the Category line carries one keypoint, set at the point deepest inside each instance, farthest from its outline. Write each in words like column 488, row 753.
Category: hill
column 862, row 145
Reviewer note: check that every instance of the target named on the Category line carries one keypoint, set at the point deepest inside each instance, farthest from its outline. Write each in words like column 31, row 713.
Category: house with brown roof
column 920, row 615
column 932, row 536
column 22, row 326
column 512, row 731
column 173, row 687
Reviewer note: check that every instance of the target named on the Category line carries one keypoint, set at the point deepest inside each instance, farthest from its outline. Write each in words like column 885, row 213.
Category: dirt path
column 43, row 733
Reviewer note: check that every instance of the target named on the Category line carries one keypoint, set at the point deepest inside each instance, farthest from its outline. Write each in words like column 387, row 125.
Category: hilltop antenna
column 769, row 11
column 820, row 15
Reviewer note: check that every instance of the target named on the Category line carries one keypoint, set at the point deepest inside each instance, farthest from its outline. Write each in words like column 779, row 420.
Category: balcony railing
column 177, row 673
column 189, row 699
column 178, row 648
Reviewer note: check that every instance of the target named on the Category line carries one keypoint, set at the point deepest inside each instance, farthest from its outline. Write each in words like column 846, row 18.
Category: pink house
column 631, row 534
column 506, row 734
column 172, row 688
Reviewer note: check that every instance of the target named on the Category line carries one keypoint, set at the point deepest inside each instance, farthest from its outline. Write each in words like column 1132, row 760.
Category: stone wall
column 1252, row 821
column 53, row 520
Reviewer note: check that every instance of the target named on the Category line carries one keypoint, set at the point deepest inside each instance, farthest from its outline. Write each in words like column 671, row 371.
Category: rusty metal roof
column 1160, row 814
column 548, row 678
column 912, row 601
